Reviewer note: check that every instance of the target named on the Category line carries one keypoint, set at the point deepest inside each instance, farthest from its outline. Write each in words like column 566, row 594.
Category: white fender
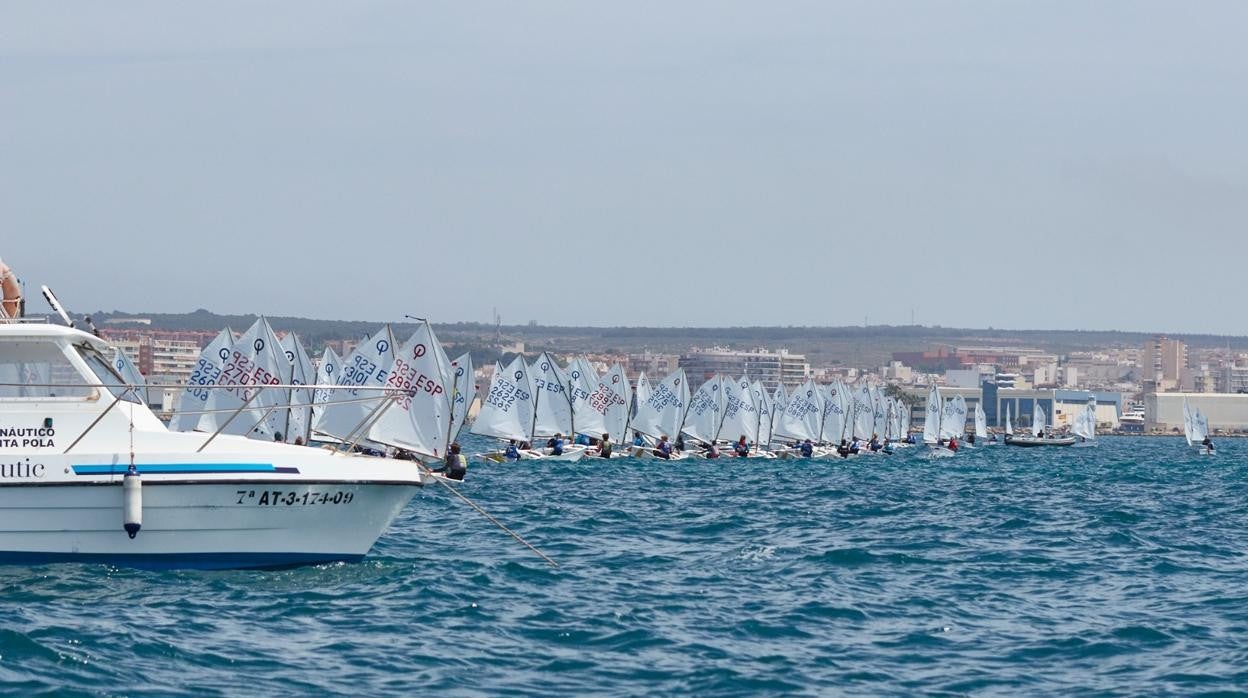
column 132, row 502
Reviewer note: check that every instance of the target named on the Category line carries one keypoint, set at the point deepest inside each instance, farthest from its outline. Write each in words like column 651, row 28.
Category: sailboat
column 507, row 409
column 1085, row 425
column 1200, row 432
column 552, row 409
column 661, row 412
column 1009, row 428
column 932, row 425
column 981, row 426
column 1038, row 438
column 193, row 398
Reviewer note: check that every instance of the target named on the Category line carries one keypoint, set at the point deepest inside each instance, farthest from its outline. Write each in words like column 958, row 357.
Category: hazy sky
column 1013, row 164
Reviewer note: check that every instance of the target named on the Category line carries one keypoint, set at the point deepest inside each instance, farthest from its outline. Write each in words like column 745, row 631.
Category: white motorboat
column 89, row 474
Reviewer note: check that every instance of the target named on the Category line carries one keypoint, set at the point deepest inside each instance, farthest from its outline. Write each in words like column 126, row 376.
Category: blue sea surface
column 1114, row 570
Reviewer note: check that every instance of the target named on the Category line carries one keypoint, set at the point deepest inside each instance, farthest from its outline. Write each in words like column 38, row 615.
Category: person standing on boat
column 455, row 467
column 741, row 448
column 604, row 446
column 663, row 449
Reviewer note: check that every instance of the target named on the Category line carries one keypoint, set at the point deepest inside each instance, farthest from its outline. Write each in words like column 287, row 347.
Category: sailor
column 807, row 449
column 843, row 449
column 712, row 450
column 512, row 453
column 953, row 443
column 888, row 447
column 855, row 446
column 875, row 443
column 604, row 446
column 741, row 448
column 970, row 438
column 1208, row 444
column 555, row 444
column 637, row 440
column 680, row 443
column 663, row 449
column 456, row 464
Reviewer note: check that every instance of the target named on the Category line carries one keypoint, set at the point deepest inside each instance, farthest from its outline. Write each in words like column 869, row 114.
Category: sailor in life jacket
column 456, row 465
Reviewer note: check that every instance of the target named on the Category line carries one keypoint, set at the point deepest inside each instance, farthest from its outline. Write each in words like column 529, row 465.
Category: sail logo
column 519, row 375
column 418, row 351
column 258, row 345
column 224, row 353
column 383, row 346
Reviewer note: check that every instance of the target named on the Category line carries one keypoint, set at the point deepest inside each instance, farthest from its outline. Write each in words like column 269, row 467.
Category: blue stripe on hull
column 181, row 468
column 178, row 561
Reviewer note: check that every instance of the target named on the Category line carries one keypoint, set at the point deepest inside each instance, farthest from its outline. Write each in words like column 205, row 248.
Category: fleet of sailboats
column 411, row 397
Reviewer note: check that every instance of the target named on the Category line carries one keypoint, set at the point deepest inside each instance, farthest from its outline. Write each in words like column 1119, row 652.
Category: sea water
column 1116, row 569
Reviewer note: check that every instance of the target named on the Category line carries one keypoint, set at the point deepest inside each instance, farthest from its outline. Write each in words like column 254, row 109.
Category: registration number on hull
column 273, row 498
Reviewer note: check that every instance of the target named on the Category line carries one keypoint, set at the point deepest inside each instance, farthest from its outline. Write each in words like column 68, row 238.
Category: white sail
column 981, row 421
column 612, row 399
column 130, row 373
column 931, row 422
column 255, row 360
column 1038, row 421
column 762, row 402
column 553, row 406
column 642, row 390
column 676, row 411
column 420, row 382
column 740, row 416
column 1009, row 428
column 880, row 418
column 582, row 384
column 802, row 404
column 192, row 400
column 833, row 414
column 1200, row 426
column 779, row 401
column 864, row 413
column 298, row 416
column 359, row 396
column 464, row 391
column 1187, row 423
column 954, row 421
column 1085, row 421
column 507, row 409
column 326, row 374
column 706, row 408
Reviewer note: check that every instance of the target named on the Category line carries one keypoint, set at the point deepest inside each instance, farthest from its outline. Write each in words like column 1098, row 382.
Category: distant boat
column 1085, row 425
column 932, row 427
column 1037, row 438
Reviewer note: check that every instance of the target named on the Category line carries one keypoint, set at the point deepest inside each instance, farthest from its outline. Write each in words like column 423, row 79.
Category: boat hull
column 1029, row 442
column 207, row 525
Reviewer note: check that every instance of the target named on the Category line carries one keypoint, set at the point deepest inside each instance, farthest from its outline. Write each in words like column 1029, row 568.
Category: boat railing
column 385, row 397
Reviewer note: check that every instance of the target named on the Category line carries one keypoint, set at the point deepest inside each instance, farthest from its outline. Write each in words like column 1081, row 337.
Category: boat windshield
column 109, row 377
column 39, row 369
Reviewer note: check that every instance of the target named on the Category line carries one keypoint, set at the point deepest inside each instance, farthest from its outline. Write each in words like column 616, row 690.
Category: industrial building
column 1226, row 411
column 1060, row 405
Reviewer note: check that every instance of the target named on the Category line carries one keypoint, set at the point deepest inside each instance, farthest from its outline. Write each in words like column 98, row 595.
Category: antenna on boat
column 56, row 305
